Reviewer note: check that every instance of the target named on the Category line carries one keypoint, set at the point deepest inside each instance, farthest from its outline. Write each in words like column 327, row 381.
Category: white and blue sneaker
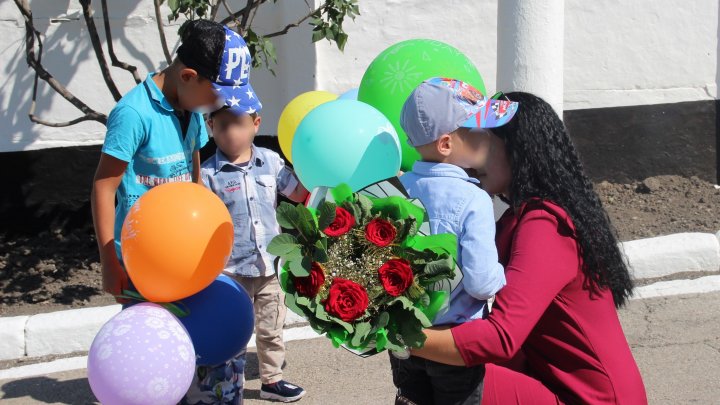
column 281, row 391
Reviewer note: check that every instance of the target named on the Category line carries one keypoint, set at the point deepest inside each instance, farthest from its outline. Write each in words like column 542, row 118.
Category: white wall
column 69, row 56
column 469, row 26
column 634, row 52
column 616, row 53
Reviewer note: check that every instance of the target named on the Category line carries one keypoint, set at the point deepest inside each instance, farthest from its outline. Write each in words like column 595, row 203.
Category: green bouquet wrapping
column 362, row 267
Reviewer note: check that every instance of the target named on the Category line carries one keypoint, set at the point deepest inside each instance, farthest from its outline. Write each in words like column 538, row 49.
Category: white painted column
column 530, row 48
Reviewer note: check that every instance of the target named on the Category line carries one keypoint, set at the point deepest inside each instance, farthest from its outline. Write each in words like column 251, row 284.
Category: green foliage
column 327, row 21
column 326, row 214
column 390, row 322
column 283, row 244
column 192, row 9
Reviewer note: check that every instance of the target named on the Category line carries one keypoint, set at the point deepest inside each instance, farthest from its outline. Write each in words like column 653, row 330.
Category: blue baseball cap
column 440, row 106
column 233, row 79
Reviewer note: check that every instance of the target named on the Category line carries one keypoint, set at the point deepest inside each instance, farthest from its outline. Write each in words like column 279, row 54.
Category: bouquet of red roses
column 363, row 269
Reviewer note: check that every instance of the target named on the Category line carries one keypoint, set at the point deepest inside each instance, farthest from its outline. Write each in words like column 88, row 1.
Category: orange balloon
column 176, row 240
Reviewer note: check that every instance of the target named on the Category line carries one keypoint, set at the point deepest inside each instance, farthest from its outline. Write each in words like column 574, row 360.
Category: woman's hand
column 440, row 347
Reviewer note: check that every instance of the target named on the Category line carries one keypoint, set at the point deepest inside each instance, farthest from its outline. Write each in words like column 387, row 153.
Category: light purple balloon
column 143, row 355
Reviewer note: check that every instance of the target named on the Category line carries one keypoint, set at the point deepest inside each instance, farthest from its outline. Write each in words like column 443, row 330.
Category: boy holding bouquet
column 444, row 120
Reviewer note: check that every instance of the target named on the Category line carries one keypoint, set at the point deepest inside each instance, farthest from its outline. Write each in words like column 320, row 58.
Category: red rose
column 380, row 232
column 309, row 285
column 346, row 300
column 343, row 222
column 396, row 276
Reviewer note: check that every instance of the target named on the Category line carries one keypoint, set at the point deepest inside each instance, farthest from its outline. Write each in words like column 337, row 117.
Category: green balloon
column 395, row 73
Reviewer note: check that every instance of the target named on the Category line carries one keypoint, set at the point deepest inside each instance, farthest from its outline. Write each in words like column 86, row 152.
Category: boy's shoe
column 281, row 391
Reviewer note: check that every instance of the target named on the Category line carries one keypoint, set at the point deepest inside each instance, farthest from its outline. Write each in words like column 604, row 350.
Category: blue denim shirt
column 455, row 204
column 250, row 193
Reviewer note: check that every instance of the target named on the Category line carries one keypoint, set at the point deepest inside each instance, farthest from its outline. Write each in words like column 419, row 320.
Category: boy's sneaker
column 281, row 391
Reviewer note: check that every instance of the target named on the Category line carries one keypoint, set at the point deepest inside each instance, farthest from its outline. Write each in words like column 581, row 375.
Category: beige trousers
column 269, row 302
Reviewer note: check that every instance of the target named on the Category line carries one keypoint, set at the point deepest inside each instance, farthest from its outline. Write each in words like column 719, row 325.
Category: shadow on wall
column 68, row 55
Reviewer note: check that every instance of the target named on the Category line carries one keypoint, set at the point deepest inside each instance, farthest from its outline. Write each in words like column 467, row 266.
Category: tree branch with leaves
column 326, row 19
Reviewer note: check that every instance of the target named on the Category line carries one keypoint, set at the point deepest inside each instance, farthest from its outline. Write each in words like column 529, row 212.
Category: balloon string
column 177, row 308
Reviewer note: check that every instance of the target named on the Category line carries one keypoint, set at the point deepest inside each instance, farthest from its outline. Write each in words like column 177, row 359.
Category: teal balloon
column 351, row 94
column 345, row 141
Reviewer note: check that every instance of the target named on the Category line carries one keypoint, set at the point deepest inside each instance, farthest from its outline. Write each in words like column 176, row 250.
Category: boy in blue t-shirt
column 155, row 132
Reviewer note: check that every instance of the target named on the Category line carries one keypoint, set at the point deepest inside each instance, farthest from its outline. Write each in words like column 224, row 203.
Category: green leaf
column 318, row 35
column 341, row 40
column 300, row 268
column 320, row 254
column 444, row 265
column 295, row 254
column 321, row 314
column 424, row 300
column 282, row 244
column 329, row 34
column 286, row 215
column 382, row 320
column 326, row 214
column 365, row 205
column 413, row 337
column 304, row 301
column 306, row 224
column 362, row 330
column 404, row 302
column 409, row 311
column 353, row 209
column 173, row 5
column 290, row 302
column 269, row 50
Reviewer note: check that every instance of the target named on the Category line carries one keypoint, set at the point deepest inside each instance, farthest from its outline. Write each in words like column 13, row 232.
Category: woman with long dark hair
column 553, row 335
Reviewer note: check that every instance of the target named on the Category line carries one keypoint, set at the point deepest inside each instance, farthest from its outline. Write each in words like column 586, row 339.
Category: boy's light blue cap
column 440, row 106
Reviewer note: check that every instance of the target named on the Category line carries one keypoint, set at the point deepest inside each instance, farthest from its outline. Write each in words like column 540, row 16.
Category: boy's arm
column 202, row 140
column 107, row 179
column 299, row 194
column 196, row 169
column 483, row 276
column 289, row 185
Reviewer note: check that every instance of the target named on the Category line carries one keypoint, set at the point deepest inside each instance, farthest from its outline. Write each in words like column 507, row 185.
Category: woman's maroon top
column 568, row 330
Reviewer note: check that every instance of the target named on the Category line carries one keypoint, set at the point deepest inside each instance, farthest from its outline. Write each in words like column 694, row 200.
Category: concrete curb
column 73, row 330
column 12, row 337
column 678, row 253
column 63, row 332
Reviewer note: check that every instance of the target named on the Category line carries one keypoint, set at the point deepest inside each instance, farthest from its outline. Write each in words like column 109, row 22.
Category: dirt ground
column 58, row 269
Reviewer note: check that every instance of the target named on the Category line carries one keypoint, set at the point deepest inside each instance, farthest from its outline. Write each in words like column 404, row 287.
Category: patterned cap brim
column 495, row 113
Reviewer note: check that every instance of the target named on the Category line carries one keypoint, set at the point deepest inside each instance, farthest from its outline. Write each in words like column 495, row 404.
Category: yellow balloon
column 294, row 112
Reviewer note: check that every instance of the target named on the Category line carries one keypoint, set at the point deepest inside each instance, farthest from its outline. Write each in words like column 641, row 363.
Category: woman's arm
column 440, row 346
column 544, row 259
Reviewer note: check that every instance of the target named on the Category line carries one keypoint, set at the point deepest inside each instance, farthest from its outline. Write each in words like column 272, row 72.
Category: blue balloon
column 351, row 94
column 220, row 321
column 345, row 141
